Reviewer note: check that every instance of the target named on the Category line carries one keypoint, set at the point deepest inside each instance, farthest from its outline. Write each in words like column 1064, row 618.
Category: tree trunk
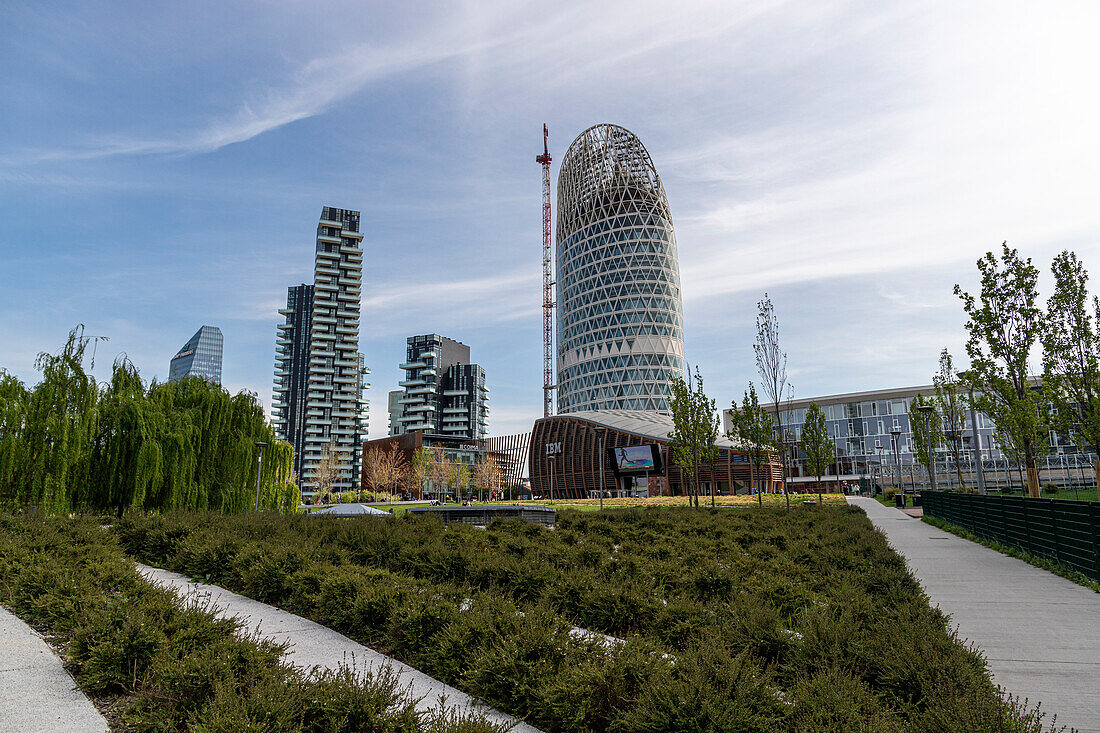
column 1032, row 479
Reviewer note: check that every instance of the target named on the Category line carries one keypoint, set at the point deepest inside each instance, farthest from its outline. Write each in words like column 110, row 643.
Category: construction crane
column 547, row 283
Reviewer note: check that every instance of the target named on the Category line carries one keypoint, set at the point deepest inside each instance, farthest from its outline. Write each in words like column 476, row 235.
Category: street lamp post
column 259, row 465
column 602, row 433
column 974, row 431
column 894, row 434
column 928, row 410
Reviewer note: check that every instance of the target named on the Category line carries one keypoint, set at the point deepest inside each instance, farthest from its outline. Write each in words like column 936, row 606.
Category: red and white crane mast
column 547, row 284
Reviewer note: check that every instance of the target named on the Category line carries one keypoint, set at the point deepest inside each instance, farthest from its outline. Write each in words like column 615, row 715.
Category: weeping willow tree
column 69, row 443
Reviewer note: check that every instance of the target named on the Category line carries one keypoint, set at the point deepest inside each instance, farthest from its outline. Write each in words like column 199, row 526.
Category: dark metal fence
column 1066, row 531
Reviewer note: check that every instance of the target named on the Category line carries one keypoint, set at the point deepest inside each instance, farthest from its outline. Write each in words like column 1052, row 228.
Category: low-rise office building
column 565, row 458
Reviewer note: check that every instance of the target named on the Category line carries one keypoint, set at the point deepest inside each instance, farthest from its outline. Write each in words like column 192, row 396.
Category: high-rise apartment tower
column 444, row 393
column 620, row 317
column 320, row 385
column 201, row 356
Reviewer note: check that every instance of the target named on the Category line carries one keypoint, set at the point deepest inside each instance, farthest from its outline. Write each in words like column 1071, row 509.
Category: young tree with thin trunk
column 422, row 468
column 398, row 469
column 927, row 429
column 952, row 408
column 752, row 427
column 487, row 475
column 1071, row 355
column 1004, row 323
column 816, row 443
column 771, row 363
column 327, row 471
column 458, row 474
column 694, row 436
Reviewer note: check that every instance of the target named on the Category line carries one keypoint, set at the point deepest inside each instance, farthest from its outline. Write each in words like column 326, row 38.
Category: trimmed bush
column 756, row 619
column 175, row 667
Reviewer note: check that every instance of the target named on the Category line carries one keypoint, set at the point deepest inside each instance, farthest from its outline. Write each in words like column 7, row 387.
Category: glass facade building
column 620, row 316
column 866, row 426
column 201, row 356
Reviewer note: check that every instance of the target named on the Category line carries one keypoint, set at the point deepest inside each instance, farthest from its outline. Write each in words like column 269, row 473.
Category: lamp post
column 601, row 432
column 894, row 434
column 965, row 376
column 259, row 465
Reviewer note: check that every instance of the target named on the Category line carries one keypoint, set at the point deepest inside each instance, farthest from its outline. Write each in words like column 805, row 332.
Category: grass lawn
column 592, row 505
column 763, row 620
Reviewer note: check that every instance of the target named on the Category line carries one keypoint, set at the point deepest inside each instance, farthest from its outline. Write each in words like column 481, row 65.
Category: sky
column 163, row 166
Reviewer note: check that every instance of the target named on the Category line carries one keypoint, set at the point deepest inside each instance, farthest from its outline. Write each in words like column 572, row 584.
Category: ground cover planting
column 153, row 665
column 754, row 619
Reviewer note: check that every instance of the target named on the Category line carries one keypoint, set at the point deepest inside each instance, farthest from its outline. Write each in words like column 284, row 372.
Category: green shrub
column 173, row 666
column 732, row 620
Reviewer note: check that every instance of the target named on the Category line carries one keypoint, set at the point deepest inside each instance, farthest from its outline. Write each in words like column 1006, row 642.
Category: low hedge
column 759, row 620
column 742, row 620
column 161, row 666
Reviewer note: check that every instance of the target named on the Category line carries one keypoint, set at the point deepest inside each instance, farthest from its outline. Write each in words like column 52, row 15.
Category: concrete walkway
column 1039, row 632
column 313, row 645
column 37, row 694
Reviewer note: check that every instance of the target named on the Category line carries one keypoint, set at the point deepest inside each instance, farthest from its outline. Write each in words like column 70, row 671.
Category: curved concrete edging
column 37, row 693
column 314, row 646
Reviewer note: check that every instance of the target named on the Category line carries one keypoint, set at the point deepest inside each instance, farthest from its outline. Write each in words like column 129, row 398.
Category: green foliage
column 952, row 409
column 70, row 444
column 927, row 429
column 177, row 667
column 754, row 429
column 1004, row 323
column 816, row 443
column 757, row 620
column 1071, row 353
column 694, row 436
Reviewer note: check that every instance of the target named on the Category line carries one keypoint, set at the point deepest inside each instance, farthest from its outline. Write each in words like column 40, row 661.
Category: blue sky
column 162, row 166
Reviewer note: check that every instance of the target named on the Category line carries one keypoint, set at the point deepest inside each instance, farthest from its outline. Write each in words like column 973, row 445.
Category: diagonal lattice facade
column 620, row 314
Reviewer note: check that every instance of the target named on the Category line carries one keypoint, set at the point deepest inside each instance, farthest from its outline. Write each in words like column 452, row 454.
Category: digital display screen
column 634, row 458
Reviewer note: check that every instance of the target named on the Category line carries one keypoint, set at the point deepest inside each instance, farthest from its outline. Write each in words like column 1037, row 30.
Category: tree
column 422, row 468
column 70, row 443
column 927, row 429
column 1071, row 355
column 816, row 443
column 488, row 475
column 458, row 475
column 952, row 409
column 385, row 469
column 694, row 436
column 752, row 426
column 771, row 363
column 1003, row 324
column 327, row 471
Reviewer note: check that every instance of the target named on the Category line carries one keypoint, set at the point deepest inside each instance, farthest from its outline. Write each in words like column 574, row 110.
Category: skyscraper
column 292, row 370
column 444, row 393
column 201, row 356
column 620, row 324
column 320, row 382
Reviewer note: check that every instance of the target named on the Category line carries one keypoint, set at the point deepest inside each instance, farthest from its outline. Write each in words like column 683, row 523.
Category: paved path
column 37, row 694
column 1040, row 633
column 313, row 645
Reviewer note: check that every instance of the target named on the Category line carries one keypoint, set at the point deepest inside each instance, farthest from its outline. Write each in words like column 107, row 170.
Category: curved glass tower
column 620, row 315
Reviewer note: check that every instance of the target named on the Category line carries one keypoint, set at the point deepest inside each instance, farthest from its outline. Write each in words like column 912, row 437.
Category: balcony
column 420, row 408
column 412, row 365
column 411, row 383
column 427, row 389
column 455, row 392
column 411, row 400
